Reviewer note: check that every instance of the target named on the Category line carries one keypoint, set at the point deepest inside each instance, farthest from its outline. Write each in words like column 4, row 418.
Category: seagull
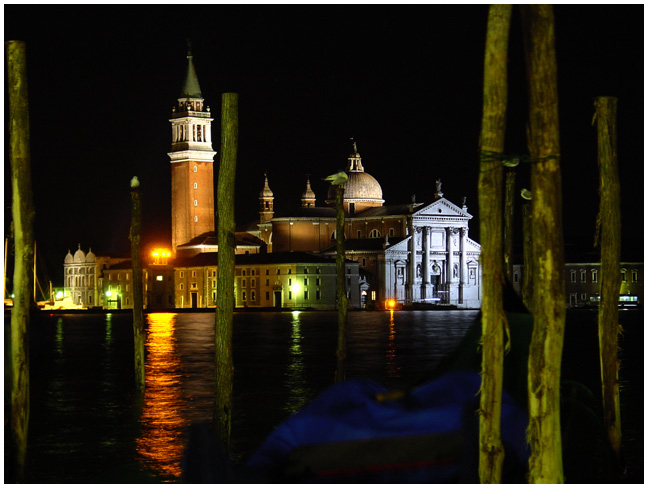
column 135, row 182
column 339, row 178
column 526, row 194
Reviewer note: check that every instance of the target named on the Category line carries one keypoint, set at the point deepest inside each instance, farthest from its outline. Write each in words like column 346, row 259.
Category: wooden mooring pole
column 224, row 366
column 139, row 332
column 544, row 366
column 341, row 285
column 494, row 322
column 22, row 208
column 610, row 234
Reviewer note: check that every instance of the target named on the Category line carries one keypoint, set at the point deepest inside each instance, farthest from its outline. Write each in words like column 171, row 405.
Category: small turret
column 265, row 202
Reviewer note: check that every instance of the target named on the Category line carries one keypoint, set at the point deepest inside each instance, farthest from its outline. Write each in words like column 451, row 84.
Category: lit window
column 195, row 218
column 195, row 203
column 195, row 186
column 195, row 169
column 158, row 278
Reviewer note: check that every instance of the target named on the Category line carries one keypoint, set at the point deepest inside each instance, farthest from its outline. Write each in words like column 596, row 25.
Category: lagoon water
column 87, row 427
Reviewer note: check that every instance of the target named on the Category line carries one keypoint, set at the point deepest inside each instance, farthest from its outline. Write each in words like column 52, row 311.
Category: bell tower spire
column 192, row 159
column 266, row 202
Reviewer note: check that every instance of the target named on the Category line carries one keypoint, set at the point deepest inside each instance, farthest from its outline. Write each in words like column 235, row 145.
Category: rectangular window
column 243, row 282
column 243, row 296
column 306, row 270
column 193, row 274
column 289, row 270
column 267, row 271
column 573, row 276
column 194, row 286
column 252, row 296
column 306, row 295
column 267, row 295
column 515, row 277
column 277, row 270
column 582, row 275
column 252, row 273
column 318, row 295
column 373, row 295
column 317, row 270
column 127, row 276
column 306, row 281
column 317, row 281
column 182, row 274
column 290, row 281
column 213, row 283
column 593, row 276
column 363, row 262
column 583, row 296
column 358, row 234
column 243, row 272
column 182, row 286
column 624, row 275
column 128, row 287
column 634, row 275
column 252, row 282
column 267, row 282
column 290, row 295
column 391, row 232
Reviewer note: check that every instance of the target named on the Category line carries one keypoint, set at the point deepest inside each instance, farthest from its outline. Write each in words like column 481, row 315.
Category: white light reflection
column 299, row 393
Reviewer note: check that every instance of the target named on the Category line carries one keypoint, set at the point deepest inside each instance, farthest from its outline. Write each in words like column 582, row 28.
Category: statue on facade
column 438, row 188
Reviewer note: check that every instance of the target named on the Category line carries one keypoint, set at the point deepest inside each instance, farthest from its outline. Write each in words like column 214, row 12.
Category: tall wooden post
column 341, row 285
column 139, row 334
column 224, row 367
column 544, row 367
column 609, row 226
column 508, row 236
column 492, row 139
column 22, row 208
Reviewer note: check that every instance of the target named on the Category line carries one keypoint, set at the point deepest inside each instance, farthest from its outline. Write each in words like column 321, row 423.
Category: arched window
column 375, row 233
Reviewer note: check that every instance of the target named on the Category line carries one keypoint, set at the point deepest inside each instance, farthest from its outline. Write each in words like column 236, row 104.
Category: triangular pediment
column 442, row 208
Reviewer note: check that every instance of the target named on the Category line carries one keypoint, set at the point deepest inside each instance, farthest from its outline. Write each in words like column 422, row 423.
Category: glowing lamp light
column 295, row 288
column 109, row 293
column 391, row 304
column 59, row 295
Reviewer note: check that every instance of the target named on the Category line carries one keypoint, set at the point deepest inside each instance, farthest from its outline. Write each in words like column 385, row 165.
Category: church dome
column 265, row 192
column 68, row 258
column 361, row 187
column 79, row 256
column 90, row 257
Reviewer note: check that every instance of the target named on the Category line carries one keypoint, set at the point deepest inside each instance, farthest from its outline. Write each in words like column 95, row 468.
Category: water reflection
column 58, row 339
column 298, row 392
column 391, row 355
column 160, row 442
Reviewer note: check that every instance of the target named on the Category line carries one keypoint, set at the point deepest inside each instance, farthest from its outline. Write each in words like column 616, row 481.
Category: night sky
column 404, row 81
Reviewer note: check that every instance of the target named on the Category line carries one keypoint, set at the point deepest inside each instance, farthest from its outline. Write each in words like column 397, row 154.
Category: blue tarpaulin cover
column 347, row 418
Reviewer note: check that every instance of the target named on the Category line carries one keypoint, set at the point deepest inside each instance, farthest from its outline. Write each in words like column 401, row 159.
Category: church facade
column 409, row 253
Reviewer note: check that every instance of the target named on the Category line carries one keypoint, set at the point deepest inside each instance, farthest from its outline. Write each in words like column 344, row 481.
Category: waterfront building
column 279, row 280
column 583, row 283
column 82, row 277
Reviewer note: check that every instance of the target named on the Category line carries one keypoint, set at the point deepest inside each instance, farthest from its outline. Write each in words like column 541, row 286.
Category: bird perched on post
column 339, row 178
column 135, row 182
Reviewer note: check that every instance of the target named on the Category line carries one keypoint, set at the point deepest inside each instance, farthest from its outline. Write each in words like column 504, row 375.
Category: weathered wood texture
column 139, row 333
column 492, row 139
column 544, row 432
column 610, row 232
column 341, row 286
column 508, row 234
column 22, row 208
column 224, row 366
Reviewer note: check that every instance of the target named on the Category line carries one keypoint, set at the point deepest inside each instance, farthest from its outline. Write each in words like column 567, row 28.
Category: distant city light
column 158, row 278
column 161, row 256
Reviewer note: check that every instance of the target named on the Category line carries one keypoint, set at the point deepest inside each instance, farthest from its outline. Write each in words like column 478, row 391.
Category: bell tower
column 192, row 160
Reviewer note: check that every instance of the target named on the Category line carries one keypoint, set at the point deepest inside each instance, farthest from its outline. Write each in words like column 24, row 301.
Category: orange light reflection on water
column 161, row 439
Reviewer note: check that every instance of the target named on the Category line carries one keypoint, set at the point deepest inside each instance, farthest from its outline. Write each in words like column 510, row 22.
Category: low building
column 583, row 283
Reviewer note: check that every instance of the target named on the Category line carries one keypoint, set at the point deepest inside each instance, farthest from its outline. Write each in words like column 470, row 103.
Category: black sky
column 404, row 81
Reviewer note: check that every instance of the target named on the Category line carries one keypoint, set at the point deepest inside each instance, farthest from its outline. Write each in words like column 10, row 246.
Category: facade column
column 462, row 264
column 450, row 295
column 426, row 287
column 412, row 265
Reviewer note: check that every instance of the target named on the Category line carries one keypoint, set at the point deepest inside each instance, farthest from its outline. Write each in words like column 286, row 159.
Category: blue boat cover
column 348, row 434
